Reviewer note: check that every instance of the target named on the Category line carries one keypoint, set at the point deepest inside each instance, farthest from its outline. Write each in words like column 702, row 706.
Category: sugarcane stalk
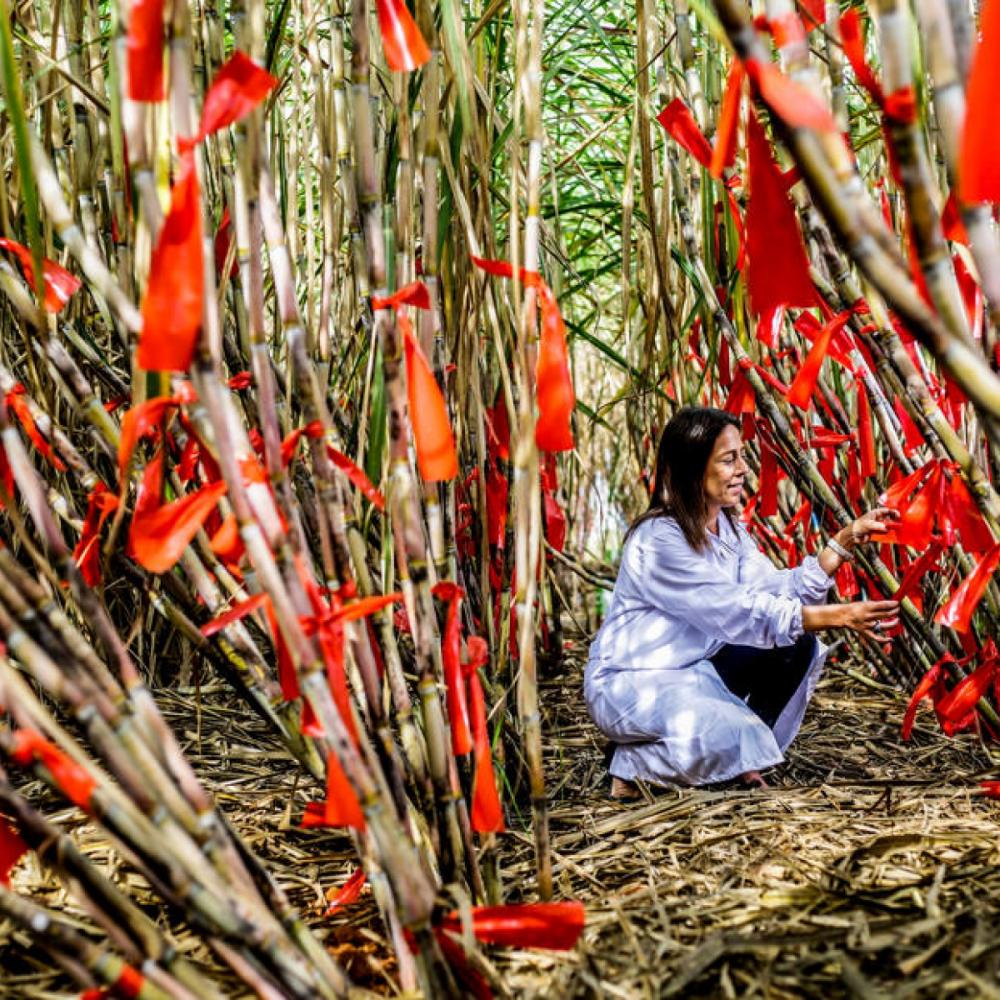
column 839, row 206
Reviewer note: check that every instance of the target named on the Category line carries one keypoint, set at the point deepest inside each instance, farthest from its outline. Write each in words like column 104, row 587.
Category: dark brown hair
column 681, row 459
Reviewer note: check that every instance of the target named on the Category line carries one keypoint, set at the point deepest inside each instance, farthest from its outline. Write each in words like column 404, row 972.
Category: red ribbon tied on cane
column 12, row 847
column 18, row 404
column 979, row 166
column 487, row 812
column 554, row 384
column 59, row 284
column 71, row 778
column 433, row 438
column 403, row 44
column 172, row 308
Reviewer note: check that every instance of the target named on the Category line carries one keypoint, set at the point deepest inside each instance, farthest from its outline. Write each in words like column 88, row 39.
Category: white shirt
column 673, row 606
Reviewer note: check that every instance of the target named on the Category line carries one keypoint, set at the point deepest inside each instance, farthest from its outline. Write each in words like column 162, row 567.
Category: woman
column 705, row 662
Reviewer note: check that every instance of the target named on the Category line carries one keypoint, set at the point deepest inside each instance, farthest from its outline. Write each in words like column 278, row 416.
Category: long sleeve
column 695, row 589
column 807, row 582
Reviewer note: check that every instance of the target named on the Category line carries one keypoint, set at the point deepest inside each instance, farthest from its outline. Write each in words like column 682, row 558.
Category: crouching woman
column 707, row 659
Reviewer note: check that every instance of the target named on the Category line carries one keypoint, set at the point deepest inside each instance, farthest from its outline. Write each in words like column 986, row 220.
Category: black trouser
column 765, row 679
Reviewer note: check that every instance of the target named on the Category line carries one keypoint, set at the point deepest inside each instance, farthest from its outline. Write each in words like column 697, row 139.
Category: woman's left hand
column 862, row 528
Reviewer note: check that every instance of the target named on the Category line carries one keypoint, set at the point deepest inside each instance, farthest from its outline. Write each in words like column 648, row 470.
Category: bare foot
column 754, row 779
column 621, row 789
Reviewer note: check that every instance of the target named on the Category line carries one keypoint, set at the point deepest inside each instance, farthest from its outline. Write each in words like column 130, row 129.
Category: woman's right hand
column 872, row 619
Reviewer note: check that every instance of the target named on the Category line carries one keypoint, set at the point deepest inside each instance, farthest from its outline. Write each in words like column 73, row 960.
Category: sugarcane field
column 499, row 499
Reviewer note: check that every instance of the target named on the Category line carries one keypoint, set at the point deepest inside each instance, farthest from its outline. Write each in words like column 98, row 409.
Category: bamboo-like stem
column 527, row 491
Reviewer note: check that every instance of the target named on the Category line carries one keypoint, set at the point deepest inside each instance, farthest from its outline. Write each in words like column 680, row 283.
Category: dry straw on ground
column 867, row 870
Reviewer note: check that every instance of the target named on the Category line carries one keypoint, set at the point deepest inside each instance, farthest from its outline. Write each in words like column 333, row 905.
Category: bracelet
column 839, row 549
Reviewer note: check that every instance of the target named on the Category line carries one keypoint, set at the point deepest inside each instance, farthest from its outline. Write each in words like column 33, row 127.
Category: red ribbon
column 144, row 48
column 160, row 532
column 433, row 438
column 12, row 848
column 931, row 686
column 357, row 477
column 556, row 926
column 802, row 389
column 403, row 44
column 314, row 429
column 866, row 433
column 770, row 473
column 451, row 640
column 724, row 151
column 854, row 48
column 842, row 341
column 128, row 986
column 961, row 517
column 917, row 571
column 414, row 294
column 979, row 166
column 236, row 613
column 847, row 582
column 238, row 87
column 972, row 296
column 498, row 427
column 365, row 606
column 677, row 119
column 341, row 807
column 59, row 284
column 912, row 437
column 935, row 492
column 172, row 308
column 220, row 247
column 139, row 422
column 957, row 613
column 288, row 679
column 348, row 893
column 815, row 13
column 793, row 103
column 556, row 398
column 951, row 221
column 778, row 268
column 487, row 813
column 991, row 789
column 741, row 396
column 497, row 490
column 787, row 29
column 956, row 709
column 72, row 779
column 769, row 326
column 18, row 405
column 681, row 126
column 101, row 504
column 555, row 521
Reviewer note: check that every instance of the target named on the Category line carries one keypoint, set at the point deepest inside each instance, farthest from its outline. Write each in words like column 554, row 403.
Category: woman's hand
column 872, row 619
column 862, row 528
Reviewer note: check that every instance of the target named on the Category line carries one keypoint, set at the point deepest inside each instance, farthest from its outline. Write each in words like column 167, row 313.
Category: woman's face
column 726, row 470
